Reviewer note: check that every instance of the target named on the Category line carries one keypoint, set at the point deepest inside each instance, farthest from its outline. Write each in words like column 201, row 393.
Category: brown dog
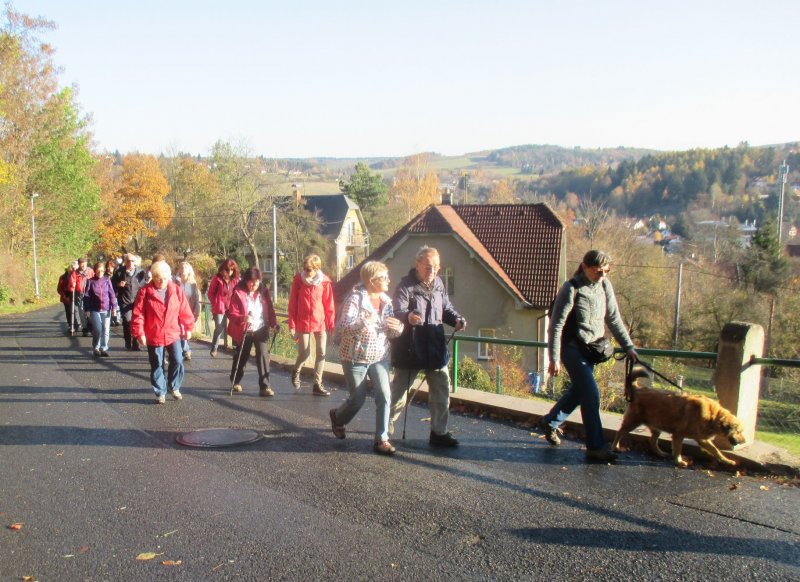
column 681, row 415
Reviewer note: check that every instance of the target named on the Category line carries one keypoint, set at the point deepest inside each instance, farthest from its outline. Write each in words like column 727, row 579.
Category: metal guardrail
column 641, row 351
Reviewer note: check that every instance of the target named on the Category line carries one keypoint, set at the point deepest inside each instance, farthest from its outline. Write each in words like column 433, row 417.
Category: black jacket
column 423, row 346
column 126, row 296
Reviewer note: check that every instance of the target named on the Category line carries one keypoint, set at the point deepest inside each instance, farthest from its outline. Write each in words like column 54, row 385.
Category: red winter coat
column 219, row 293
column 237, row 313
column 311, row 306
column 161, row 323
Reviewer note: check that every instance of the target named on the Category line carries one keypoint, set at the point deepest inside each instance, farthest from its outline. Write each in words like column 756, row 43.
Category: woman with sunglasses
column 311, row 317
column 366, row 325
column 220, row 289
column 583, row 307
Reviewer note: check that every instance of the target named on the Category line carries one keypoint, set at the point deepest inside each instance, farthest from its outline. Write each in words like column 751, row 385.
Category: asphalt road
column 92, row 470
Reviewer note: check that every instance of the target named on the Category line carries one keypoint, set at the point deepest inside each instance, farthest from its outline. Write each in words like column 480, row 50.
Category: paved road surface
column 91, row 469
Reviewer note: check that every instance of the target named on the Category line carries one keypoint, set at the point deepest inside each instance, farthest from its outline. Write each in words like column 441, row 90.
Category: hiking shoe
column 105, row 354
column 266, row 391
column 176, row 394
column 296, row 378
column 237, row 387
column 187, row 355
column 161, row 399
column 600, row 456
column 214, row 352
column 338, row 429
column 443, row 440
column 550, row 433
column 384, row 448
column 319, row 390
column 96, row 353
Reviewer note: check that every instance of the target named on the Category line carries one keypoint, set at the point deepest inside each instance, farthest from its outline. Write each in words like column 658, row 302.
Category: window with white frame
column 351, row 261
column 449, row 281
column 351, row 231
column 486, row 351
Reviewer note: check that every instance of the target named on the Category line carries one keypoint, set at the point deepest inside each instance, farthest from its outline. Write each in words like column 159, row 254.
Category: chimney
column 447, row 197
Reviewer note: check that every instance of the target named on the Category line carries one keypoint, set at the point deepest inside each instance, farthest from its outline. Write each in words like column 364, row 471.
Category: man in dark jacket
column 127, row 280
column 421, row 301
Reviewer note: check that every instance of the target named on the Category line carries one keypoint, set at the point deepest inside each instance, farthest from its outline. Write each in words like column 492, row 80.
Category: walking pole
column 419, row 385
column 239, row 357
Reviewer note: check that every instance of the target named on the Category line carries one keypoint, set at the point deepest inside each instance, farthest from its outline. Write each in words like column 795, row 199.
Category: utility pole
column 677, row 308
column 783, row 171
column 33, row 235
column 274, row 253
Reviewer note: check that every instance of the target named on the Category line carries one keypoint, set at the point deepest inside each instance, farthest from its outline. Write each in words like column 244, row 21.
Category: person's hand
column 414, row 318
column 461, row 324
column 277, row 329
column 554, row 369
column 633, row 355
column 142, row 340
column 292, row 332
column 188, row 335
column 121, row 283
column 393, row 324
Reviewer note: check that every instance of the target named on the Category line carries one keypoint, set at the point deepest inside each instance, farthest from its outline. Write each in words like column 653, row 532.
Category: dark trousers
column 259, row 339
column 70, row 316
column 127, row 315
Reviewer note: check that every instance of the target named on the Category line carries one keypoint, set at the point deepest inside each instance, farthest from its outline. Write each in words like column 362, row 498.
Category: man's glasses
column 384, row 277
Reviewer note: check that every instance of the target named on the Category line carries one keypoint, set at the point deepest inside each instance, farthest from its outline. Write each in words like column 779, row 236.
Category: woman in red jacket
column 311, row 314
column 159, row 314
column 220, row 289
column 250, row 318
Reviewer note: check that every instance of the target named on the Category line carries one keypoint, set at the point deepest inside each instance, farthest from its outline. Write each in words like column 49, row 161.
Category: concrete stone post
column 737, row 381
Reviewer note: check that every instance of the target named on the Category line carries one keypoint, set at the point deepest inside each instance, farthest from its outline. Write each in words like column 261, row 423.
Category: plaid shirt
column 363, row 342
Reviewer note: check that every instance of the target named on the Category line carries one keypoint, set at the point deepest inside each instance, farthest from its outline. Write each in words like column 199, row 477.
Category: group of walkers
column 374, row 331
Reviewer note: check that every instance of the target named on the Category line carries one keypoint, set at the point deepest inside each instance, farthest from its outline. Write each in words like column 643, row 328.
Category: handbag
column 598, row 351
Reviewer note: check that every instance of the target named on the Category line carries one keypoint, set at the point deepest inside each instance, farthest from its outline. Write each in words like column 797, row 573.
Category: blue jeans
column 156, row 356
column 100, row 328
column 356, row 377
column 583, row 392
column 220, row 327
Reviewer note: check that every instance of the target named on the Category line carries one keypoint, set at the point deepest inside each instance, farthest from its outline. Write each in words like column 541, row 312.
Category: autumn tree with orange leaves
column 416, row 185
column 141, row 206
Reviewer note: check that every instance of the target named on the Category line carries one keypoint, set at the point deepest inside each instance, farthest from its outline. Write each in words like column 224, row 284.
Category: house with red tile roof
column 502, row 265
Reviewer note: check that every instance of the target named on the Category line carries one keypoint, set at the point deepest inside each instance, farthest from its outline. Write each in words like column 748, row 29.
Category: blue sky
column 375, row 78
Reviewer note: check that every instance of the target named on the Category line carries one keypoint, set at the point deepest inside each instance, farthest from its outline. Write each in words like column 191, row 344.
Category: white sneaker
column 176, row 394
column 237, row 387
column 161, row 399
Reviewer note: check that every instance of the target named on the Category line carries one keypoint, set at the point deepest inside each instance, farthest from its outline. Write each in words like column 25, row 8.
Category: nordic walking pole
column 419, row 385
column 239, row 357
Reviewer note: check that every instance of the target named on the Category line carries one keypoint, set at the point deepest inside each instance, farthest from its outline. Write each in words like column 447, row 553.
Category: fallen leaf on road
column 148, row 555
column 171, row 562
column 428, row 419
column 83, row 549
column 764, row 488
column 15, row 526
column 734, row 486
column 28, row 579
column 68, row 556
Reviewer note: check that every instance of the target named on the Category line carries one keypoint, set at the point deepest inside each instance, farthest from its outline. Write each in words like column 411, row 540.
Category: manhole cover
column 218, row 437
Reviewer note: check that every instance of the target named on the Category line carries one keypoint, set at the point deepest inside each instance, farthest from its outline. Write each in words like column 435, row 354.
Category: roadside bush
column 472, row 375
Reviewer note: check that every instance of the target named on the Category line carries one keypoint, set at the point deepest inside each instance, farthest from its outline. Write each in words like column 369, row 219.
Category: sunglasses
column 309, row 269
column 383, row 277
